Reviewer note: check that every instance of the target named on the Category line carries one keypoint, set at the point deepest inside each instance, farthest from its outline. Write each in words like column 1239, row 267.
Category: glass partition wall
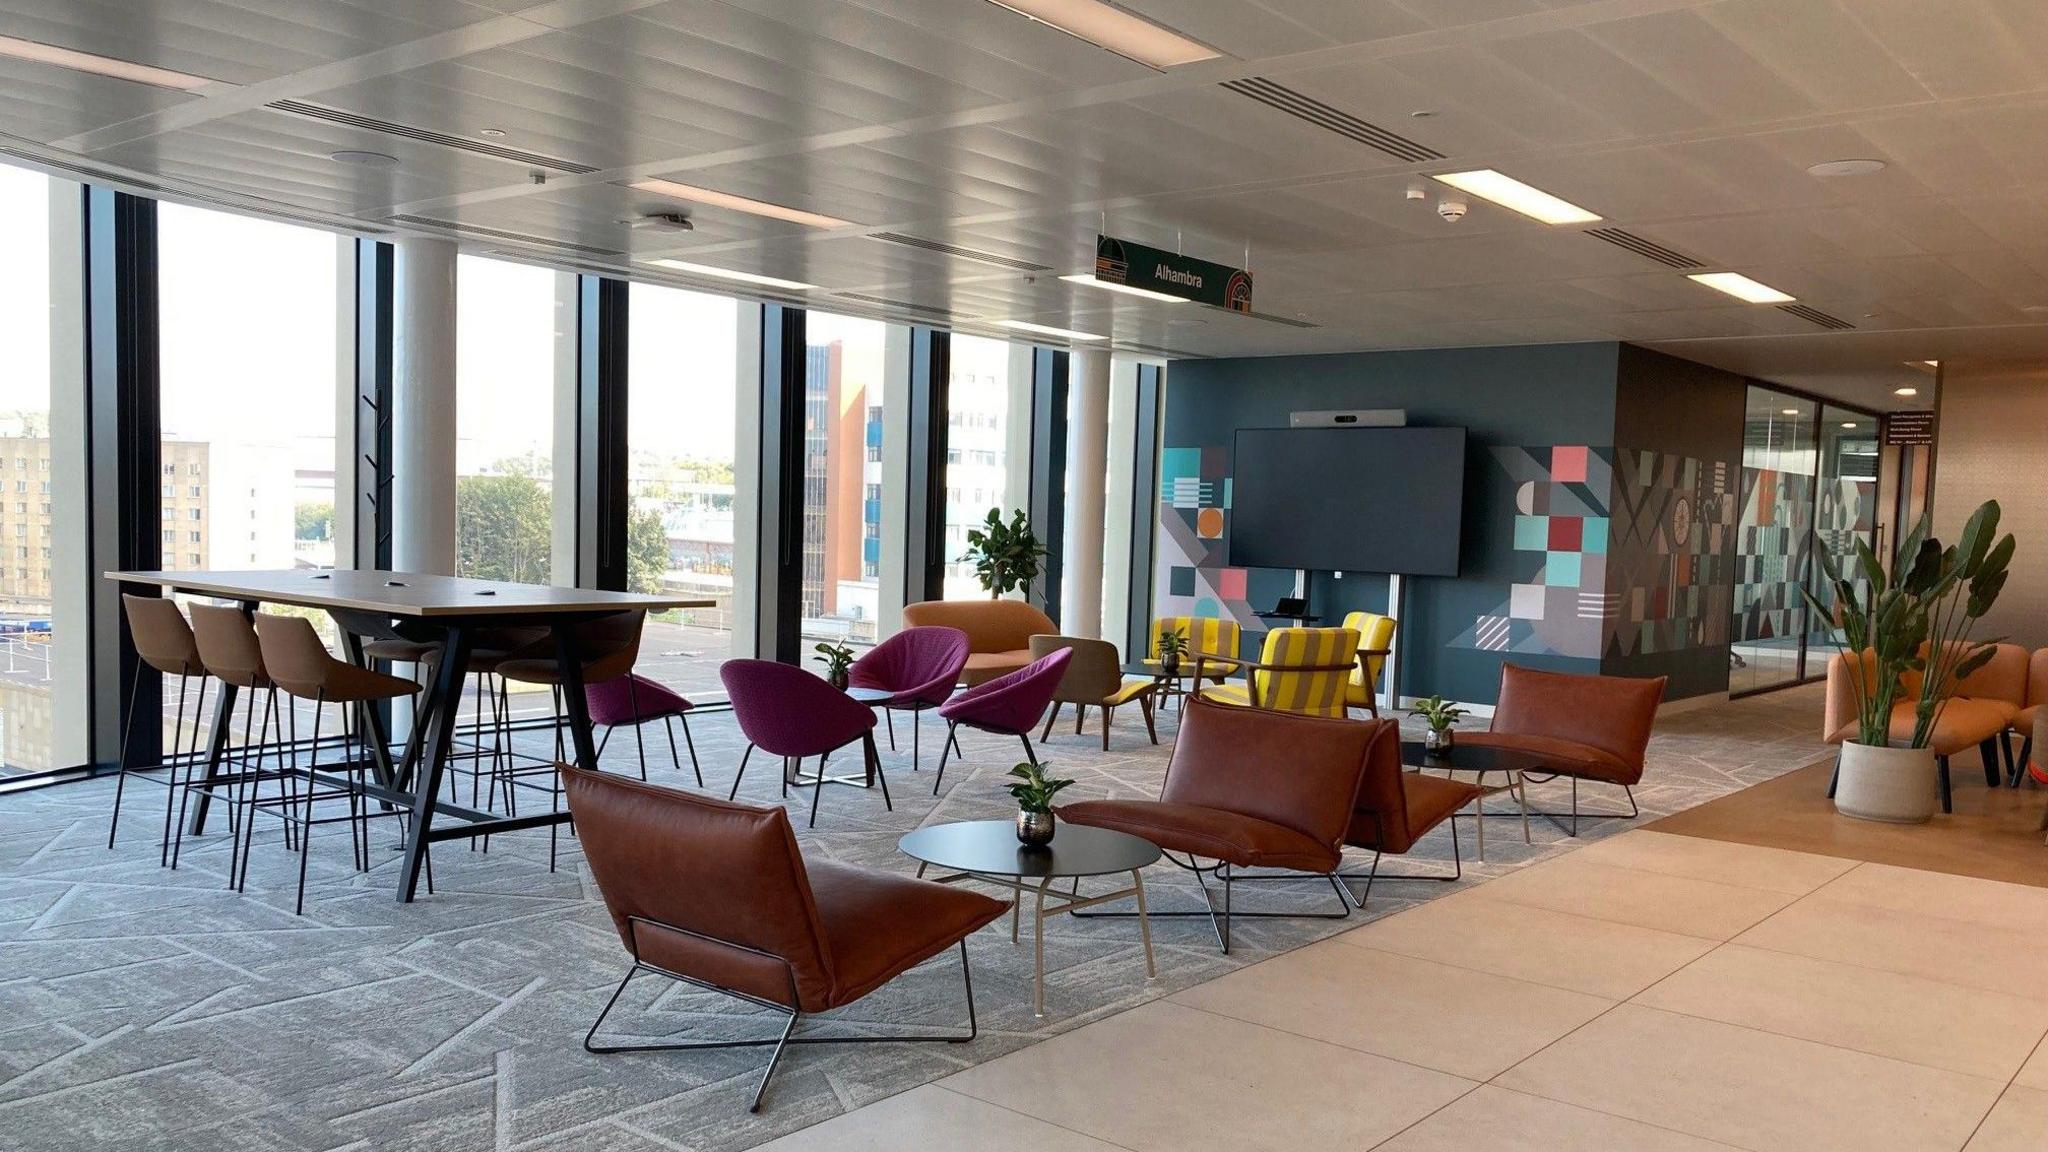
column 988, row 437
column 1809, row 475
column 846, row 385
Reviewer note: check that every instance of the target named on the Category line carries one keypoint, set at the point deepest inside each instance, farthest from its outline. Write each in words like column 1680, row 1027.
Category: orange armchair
column 999, row 632
column 1981, row 707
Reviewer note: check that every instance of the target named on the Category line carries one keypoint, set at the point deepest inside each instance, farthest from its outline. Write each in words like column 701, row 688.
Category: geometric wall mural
column 1192, row 573
column 1559, row 600
column 1670, row 553
column 1775, row 536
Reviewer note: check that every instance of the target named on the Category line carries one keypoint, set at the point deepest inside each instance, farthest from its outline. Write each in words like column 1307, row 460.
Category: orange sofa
column 1984, row 705
column 999, row 632
column 2032, row 719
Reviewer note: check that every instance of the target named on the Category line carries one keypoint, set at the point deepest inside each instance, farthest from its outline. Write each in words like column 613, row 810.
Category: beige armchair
column 1094, row 679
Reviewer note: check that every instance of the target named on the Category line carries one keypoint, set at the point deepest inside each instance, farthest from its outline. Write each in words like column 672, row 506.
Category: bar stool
column 228, row 648
column 491, row 648
column 609, row 645
column 300, row 665
column 163, row 641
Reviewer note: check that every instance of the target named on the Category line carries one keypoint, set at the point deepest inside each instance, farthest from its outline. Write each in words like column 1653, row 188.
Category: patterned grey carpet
column 142, row 1008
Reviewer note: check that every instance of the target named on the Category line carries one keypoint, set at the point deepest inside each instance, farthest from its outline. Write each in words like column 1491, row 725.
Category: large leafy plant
column 1005, row 555
column 1034, row 790
column 1915, row 618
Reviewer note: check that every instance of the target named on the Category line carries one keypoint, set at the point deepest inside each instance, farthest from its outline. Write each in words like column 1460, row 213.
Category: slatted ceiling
column 44, row 103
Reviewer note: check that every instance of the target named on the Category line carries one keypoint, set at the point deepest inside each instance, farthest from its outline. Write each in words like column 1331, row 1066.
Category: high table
column 449, row 610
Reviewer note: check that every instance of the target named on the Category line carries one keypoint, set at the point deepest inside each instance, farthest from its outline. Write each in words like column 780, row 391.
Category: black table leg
column 432, row 755
column 217, row 745
column 569, row 658
column 373, row 719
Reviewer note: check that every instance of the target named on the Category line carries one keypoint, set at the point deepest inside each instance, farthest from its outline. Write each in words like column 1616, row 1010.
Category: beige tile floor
column 1653, row 992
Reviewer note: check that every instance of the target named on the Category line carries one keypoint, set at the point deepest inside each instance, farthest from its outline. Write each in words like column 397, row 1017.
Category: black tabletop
column 1470, row 758
column 990, row 847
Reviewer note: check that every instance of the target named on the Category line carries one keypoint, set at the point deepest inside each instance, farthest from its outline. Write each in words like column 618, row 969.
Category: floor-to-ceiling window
column 682, row 440
column 1809, row 476
column 845, row 387
column 506, row 344
column 42, row 722
column 987, row 410
column 246, row 311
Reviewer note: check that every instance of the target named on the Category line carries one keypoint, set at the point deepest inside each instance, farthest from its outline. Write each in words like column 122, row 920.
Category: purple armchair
column 633, row 700
column 920, row 666
column 1008, row 705
column 790, row 713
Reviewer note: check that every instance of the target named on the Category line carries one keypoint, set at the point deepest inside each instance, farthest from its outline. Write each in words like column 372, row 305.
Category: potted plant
column 1915, row 618
column 1005, row 555
column 1441, row 715
column 1034, row 791
column 1173, row 644
column 836, row 658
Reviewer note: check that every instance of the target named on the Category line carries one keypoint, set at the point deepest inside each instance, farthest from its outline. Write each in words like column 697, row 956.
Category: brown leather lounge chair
column 1582, row 727
column 1249, row 788
column 716, row 895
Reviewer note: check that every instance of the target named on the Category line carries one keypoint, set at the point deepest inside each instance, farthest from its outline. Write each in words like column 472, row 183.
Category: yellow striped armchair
column 1302, row 670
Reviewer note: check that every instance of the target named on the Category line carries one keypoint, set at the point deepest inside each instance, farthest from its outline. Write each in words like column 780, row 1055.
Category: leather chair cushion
column 1244, row 841
column 1430, row 799
column 2028, row 719
column 1963, row 725
column 1564, row 757
column 986, row 666
column 879, row 924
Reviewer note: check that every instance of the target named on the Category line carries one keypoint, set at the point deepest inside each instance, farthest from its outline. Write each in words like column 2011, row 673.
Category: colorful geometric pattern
column 1671, row 553
column 1558, row 600
column 1772, row 547
column 1193, row 578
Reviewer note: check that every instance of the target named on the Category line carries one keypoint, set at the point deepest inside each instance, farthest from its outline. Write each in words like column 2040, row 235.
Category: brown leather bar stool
column 228, row 648
column 300, row 665
column 610, row 646
column 164, row 642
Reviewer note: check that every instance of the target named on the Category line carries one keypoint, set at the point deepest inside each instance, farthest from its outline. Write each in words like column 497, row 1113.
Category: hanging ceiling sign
column 1909, row 428
column 1136, row 265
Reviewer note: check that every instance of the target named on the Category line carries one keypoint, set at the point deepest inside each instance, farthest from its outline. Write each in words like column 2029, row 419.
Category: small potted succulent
column 1173, row 644
column 1034, row 791
column 1442, row 716
column 836, row 658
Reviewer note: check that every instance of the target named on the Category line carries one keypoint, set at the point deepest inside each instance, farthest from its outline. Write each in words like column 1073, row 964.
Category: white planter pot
column 1895, row 785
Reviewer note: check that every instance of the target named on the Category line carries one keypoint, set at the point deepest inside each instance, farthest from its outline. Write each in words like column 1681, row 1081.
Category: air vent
column 1641, row 246
column 501, row 234
column 898, row 305
column 1290, row 321
column 1815, row 316
column 428, row 136
column 956, row 250
column 1308, row 108
column 1156, row 350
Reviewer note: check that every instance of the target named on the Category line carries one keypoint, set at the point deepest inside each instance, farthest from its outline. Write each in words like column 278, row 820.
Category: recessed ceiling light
column 1423, row 113
column 364, row 159
column 738, row 203
column 1848, row 424
column 1845, row 168
column 1089, row 279
column 493, row 133
column 1905, row 391
column 1107, row 26
column 732, row 274
column 103, row 65
column 1511, row 193
column 1791, row 412
column 1046, row 330
column 1741, row 287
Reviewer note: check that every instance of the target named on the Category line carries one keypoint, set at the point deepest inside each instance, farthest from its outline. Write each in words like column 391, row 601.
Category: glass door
column 1775, row 535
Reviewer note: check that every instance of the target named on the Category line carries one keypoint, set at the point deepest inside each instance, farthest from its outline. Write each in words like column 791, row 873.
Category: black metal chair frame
column 794, row 1013
column 1572, row 830
column 872, row 758
column 952, row 744
column 177, row 757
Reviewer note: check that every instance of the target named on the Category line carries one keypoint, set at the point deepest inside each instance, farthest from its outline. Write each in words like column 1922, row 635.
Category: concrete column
column 566, row 562
column 423, row 403
column 1087, row 474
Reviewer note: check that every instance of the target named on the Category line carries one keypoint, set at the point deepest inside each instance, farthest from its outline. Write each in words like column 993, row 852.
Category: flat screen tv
column 1348, row 499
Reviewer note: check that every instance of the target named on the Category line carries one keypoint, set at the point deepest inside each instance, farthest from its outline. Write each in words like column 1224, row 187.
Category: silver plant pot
column 1437, row 742
column 1035, row 828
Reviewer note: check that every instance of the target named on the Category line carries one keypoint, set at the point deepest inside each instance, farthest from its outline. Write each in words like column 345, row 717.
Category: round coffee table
column 989, row 851
column 1479, row 759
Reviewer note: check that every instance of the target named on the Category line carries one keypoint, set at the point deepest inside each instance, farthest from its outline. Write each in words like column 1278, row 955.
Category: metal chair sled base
column 780, row 1041
column 1572, row 830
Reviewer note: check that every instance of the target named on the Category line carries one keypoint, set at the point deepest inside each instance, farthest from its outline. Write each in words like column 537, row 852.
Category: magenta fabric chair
column 788, row 712
column 921, row 666
column 633, row 700
column 1009, row 705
